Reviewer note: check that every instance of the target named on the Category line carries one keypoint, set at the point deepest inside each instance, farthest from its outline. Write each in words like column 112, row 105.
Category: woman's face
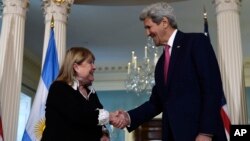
column 85, row 71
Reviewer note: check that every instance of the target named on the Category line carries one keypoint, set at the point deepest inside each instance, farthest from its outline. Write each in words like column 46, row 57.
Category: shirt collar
column 171, row 39
column 76, row 85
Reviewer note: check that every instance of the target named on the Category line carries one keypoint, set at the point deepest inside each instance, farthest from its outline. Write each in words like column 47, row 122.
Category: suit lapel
column 175, row 54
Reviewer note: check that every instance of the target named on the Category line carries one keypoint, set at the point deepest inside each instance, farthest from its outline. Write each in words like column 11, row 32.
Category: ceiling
column 111, row 28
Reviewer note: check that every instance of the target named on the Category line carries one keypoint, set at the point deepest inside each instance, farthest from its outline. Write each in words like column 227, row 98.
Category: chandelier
column 140, row 76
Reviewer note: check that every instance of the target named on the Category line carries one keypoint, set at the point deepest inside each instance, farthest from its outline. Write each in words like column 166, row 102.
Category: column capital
column 15, row 7
column 226, row 5
column 60, row 9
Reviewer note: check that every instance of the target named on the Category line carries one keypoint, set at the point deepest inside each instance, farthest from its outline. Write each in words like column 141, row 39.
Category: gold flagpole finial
column 204, row 13
column 52, row 22
column 59, row 2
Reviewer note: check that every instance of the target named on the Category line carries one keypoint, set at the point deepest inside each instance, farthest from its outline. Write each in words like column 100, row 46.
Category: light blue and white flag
column 36, row 122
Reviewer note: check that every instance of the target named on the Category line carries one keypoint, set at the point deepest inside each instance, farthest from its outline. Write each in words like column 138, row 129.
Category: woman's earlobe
column 75, row 66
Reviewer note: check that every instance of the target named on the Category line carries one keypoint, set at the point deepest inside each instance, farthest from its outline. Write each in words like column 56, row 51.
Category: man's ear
column 165, row 22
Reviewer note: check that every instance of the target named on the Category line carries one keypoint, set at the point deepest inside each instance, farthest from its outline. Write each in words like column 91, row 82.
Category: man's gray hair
column 157, row 11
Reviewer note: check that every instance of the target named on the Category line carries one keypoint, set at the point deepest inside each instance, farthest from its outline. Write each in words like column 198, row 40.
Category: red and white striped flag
column 225, row 117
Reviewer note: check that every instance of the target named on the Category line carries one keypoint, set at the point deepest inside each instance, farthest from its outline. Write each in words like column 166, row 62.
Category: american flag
column 223, row 111
column 225, row 116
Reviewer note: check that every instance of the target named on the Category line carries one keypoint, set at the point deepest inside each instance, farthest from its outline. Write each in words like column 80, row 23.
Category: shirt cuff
column 103, row 117
column 129, row 120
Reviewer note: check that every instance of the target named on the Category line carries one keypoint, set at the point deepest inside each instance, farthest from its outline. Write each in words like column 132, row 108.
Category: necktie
column 166, row 64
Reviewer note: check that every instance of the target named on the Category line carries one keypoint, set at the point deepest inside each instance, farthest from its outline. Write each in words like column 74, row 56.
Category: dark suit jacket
column 190, row 102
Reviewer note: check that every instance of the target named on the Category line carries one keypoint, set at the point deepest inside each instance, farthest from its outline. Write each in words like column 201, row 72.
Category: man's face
column 156, row 31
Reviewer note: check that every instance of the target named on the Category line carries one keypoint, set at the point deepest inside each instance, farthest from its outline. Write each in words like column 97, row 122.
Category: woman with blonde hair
column 73, row 109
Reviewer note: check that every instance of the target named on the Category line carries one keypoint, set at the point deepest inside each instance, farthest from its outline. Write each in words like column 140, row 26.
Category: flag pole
column 204, row 13
column 205, row 22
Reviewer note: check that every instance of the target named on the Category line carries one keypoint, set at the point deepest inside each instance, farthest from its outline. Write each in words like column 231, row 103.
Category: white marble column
column 60, row 12
column 11, row 63
column 230, row 58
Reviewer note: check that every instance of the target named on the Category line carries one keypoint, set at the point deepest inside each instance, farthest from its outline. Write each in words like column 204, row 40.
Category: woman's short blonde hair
column 73, row 55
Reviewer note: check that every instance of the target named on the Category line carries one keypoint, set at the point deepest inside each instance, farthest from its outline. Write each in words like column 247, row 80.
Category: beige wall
column 247, row 72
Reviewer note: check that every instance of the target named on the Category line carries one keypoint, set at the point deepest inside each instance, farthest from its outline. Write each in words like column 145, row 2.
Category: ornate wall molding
column 15, row 7
column 59, row 10
column 227, row 5
column 112, row 69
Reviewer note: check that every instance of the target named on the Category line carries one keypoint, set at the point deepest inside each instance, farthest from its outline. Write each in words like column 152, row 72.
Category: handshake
column 119, row 119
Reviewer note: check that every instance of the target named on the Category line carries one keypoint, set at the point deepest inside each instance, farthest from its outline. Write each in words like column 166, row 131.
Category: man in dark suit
column 190, row 97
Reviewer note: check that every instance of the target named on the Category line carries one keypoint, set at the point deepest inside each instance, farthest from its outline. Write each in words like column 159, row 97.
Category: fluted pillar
column 60, row 12
column 230, row 58
column 11, row 63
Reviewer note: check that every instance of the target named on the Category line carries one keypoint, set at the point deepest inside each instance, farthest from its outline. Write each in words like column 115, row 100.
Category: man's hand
column 119, row 119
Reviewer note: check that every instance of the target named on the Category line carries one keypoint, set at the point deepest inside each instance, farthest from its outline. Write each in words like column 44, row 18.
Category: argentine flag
column 36, row 122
